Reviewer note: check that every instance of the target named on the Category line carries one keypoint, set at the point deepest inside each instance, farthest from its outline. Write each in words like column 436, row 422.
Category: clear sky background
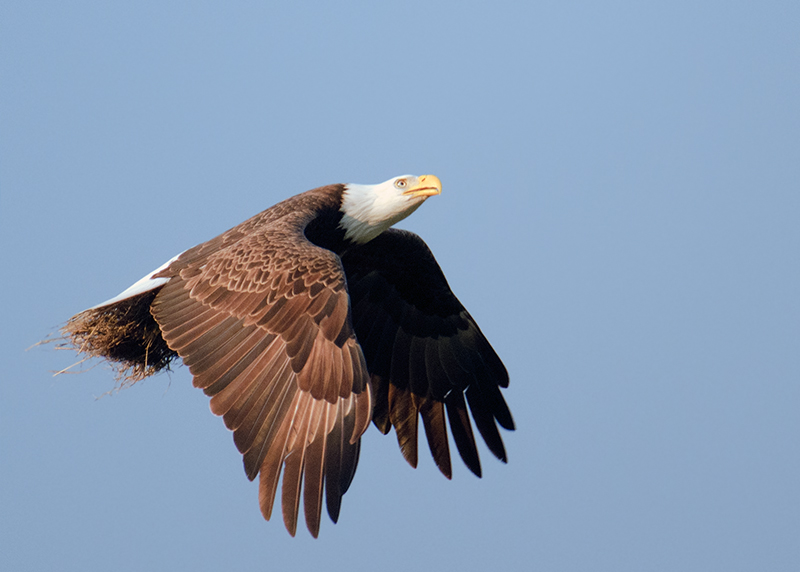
column 621, row 215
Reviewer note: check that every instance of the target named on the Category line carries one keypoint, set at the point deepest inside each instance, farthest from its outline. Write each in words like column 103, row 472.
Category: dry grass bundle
column 125, row 334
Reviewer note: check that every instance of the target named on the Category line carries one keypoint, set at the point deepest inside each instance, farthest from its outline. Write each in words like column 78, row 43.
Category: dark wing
column 261, row 316
column 424, row 351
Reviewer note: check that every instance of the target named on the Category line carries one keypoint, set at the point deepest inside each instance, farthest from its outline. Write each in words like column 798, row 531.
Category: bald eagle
column 305, row 323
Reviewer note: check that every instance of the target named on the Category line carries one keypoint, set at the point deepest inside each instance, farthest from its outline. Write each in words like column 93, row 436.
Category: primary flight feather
column 305, row 323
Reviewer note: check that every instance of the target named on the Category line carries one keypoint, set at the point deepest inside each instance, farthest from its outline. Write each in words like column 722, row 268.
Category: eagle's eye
column 400, row 183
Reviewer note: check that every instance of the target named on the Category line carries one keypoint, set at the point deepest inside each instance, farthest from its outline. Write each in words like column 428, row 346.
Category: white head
column 371, row 209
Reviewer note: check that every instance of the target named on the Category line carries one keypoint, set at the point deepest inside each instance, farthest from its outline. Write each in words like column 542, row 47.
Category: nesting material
column 124, row 333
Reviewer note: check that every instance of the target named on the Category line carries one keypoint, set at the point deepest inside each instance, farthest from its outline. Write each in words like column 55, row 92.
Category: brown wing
column 261, row 317
column 424, row 351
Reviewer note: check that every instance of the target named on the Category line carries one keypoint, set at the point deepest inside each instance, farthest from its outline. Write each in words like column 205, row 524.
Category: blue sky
column 620, row 215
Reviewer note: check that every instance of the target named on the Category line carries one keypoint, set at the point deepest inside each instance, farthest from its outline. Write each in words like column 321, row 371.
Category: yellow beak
column 427, row 186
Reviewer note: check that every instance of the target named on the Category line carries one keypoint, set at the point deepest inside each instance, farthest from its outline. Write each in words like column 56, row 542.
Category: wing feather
column 293, row 464
column 485, row 422
column 436, row 432
column 403, row 415
column 313, row 473
column 274, row 457
column 462, row 430
column 334, row 460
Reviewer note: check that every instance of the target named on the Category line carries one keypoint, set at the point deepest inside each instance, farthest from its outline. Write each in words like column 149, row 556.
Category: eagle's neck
column 325, row 228
column 367, row 213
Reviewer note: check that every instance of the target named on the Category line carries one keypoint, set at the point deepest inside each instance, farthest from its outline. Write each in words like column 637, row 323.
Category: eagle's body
column 304, row 323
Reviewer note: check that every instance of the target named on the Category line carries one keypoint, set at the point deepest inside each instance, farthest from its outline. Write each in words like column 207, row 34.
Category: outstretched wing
column 424, row 351
column 266, row 332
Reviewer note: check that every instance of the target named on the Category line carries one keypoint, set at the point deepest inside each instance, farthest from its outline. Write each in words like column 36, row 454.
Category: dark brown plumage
column 301, row 334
